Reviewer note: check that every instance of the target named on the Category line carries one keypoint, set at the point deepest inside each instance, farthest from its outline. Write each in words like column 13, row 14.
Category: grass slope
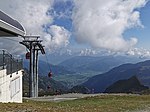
column 103, row 103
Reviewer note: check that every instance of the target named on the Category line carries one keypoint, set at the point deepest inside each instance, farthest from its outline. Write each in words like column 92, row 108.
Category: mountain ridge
column 131, row 85
column 99, row 64
column 100, row 82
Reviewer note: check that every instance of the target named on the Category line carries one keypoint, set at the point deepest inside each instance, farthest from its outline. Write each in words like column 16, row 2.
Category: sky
column 84, row 26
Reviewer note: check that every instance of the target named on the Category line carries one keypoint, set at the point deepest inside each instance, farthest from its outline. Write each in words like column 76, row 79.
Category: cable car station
column 10, row 68
column 9, row 27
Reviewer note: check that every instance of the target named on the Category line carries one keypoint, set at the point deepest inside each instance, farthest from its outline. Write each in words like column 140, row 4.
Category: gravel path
column 63, row 97
column 71, row 96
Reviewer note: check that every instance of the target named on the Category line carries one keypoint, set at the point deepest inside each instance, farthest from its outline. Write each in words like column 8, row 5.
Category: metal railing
column 10, row 63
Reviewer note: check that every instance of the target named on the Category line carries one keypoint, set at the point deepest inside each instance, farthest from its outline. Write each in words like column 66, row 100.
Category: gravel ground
column 63, row 97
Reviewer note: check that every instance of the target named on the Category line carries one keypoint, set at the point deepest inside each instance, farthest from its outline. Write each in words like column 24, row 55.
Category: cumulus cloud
column 32, row 14
column 101, row 23
column 56, row 37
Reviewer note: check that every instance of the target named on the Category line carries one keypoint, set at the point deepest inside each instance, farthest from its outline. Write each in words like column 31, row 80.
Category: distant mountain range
column 82, row 64
column 102, row 81
column 55, row 58
column 76, row 70
column 88, row 66
column 83, row 69
column 45, row 67
column 101, row 64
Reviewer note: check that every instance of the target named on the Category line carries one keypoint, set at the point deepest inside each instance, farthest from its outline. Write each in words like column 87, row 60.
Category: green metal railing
column 10, row 63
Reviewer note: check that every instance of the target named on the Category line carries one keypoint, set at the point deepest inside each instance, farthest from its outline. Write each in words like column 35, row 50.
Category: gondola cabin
column 28, row 55
column 50, row 74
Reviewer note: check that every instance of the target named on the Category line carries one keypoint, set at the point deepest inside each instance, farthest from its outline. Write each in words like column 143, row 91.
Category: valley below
column 107, row 87
column 85, row 74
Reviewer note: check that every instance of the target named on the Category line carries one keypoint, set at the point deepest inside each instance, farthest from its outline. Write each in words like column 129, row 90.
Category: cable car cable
column 50, row 73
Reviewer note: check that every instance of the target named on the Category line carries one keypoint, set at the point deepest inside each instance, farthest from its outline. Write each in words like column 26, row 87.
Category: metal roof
column 9, row 26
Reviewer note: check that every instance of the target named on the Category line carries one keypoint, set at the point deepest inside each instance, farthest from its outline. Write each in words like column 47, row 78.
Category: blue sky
column 84, row 25
column 142, row 34
column 61, row 7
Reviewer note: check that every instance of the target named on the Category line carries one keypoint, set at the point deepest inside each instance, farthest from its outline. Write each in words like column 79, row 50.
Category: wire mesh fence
column 10, row 63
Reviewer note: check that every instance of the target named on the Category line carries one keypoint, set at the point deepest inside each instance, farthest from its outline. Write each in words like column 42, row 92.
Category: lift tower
column 33, row 44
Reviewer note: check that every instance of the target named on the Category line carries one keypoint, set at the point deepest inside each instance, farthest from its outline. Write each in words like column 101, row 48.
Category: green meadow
column 102, row 103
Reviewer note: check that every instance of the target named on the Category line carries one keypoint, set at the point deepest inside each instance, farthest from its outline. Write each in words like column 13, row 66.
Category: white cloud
column 57, row 37
column 101, row 23
column 32, row 15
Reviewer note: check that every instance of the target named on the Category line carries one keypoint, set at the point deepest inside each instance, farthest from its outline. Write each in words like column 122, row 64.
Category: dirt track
column 64, row 97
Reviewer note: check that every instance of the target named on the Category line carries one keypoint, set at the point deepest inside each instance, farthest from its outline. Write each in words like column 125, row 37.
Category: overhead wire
column 7, row 38
column 47, row 61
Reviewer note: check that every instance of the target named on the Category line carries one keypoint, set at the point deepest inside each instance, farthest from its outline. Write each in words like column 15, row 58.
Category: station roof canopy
column 9, row 27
